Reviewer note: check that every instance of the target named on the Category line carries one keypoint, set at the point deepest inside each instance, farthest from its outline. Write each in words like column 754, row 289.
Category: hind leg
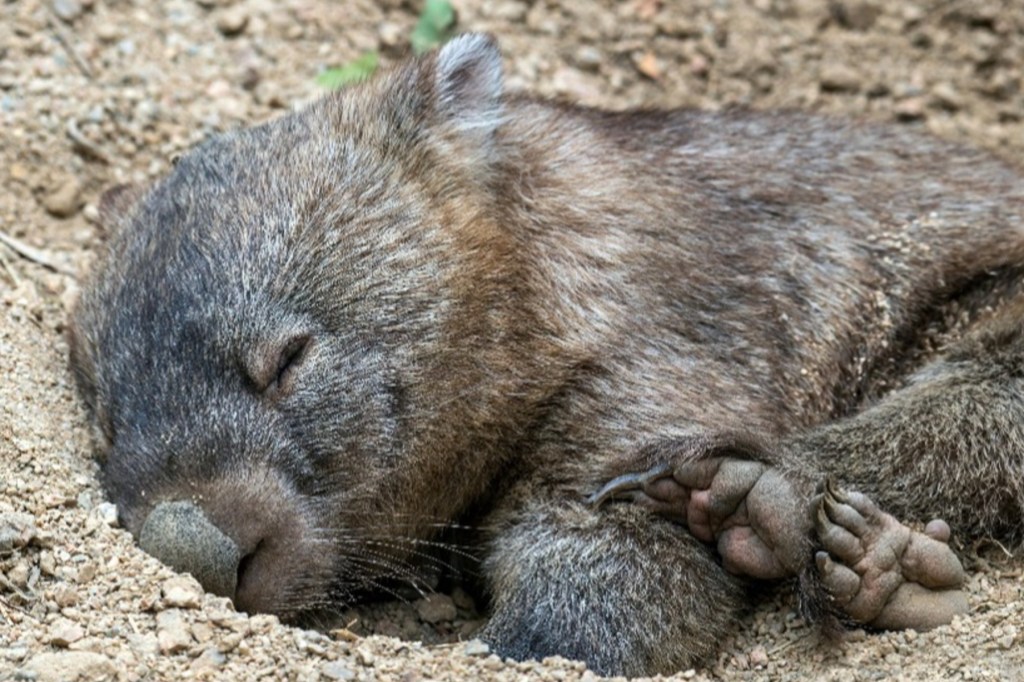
column 950, row 444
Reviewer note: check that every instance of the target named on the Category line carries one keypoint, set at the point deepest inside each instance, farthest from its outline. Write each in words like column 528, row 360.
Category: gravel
column 99, row 92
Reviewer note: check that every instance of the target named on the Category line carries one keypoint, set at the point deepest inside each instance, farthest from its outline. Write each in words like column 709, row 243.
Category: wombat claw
column 622, row 486
column 879, row 571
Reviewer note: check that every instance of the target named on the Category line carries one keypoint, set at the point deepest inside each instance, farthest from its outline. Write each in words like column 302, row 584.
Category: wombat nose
column 180, row 535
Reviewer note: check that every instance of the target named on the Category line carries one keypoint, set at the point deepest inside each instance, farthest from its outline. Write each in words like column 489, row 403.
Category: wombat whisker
column 376, row 584
column 426, row 557
column 402, row 543
column 342, row 533
column 310, row 594
column 447, row 546
column 396, row 570
column 327, row 536
column 316, row 616
column 418, row 519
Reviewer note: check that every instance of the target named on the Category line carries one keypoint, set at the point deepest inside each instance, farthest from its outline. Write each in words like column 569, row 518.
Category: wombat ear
column 469, row 84
column 118, row 203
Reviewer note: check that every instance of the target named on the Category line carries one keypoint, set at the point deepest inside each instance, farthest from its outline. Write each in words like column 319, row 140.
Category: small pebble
column 202, row 632
column 65, row 200
column 232, row 22
column 86, row 572
column 19, row 573
column 1008, row 638
column 172, row 632
column 64, row 632
column 463, row 600
column 232, row 620
column 208, row 661
column 911, row 109
column 182, row 592
column 365, row 657
column 839, row 78
column 648, row 64
column 144, row 645
column 18, row 171
column 476, row 648
column 218, row 89
column 946, row 97
column 68, row 10
column 436, row 608
column 589, row 57
column 107, row 511
column 108, row 32
column 513, row 10
column 336, row 670
column 856, row 15
column 69, row 665
column 390, row 34
column 16, row 531
column 65, row 596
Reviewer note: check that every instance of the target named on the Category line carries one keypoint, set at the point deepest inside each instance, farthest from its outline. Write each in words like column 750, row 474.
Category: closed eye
column 270, row 369
column 292, row 354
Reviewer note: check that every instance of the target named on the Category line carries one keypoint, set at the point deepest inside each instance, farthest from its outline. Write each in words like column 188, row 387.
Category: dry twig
column 62, row 38
column 11, row 274
column 84, row 144
column 33, row 254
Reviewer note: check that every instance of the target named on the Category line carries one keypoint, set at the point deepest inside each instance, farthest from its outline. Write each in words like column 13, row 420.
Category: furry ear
column 118, row 203
column 468, row 81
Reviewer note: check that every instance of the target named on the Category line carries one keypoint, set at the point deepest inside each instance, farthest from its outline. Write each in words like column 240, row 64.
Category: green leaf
column 436, row 24
column 353, row 72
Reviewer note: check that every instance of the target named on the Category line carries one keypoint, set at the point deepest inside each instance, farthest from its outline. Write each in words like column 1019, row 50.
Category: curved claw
column 835, row 491
column 627, row 483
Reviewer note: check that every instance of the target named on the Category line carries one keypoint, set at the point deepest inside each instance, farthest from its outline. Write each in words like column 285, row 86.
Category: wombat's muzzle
column 180, row 535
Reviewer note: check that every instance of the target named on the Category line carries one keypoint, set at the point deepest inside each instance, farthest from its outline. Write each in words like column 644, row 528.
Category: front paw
column 751, row 512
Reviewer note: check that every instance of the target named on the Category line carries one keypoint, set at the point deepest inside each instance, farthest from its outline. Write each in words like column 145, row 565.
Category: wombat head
column 296, row 350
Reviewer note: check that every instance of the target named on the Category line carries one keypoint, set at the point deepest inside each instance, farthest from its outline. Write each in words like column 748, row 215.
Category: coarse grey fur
column 423, row 301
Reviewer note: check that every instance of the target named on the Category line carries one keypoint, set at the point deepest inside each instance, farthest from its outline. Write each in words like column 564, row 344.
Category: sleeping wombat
column 421, row 301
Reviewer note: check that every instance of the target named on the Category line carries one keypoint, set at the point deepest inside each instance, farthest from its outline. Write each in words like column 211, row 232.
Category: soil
column 98, row 92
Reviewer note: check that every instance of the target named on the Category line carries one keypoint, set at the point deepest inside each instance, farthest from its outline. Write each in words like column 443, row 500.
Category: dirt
column 97, row 92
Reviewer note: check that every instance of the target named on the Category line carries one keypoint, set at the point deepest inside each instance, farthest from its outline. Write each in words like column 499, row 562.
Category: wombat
column 645, row 353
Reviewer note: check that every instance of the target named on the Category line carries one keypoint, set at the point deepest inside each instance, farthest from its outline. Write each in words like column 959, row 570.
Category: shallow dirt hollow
column 97, row 92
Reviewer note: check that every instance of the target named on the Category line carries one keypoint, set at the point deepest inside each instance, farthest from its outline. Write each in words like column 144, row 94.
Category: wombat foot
column 882, row 573
column 879, row 571
column 754, row 515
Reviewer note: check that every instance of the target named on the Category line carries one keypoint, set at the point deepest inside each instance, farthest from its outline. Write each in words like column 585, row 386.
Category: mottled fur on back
column 423, row 300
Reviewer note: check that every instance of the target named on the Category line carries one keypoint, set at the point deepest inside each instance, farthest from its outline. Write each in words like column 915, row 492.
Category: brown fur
column 500, row 303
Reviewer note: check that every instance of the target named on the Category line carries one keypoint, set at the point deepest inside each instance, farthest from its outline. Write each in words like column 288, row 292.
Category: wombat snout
column 180, row 535
column 251, row 543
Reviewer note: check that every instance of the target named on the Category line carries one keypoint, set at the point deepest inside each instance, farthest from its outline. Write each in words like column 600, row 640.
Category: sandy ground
column 95, row 92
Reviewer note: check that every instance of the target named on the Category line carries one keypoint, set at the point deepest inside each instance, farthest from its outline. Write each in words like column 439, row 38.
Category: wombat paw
column 879, row 571
column 750, row 511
